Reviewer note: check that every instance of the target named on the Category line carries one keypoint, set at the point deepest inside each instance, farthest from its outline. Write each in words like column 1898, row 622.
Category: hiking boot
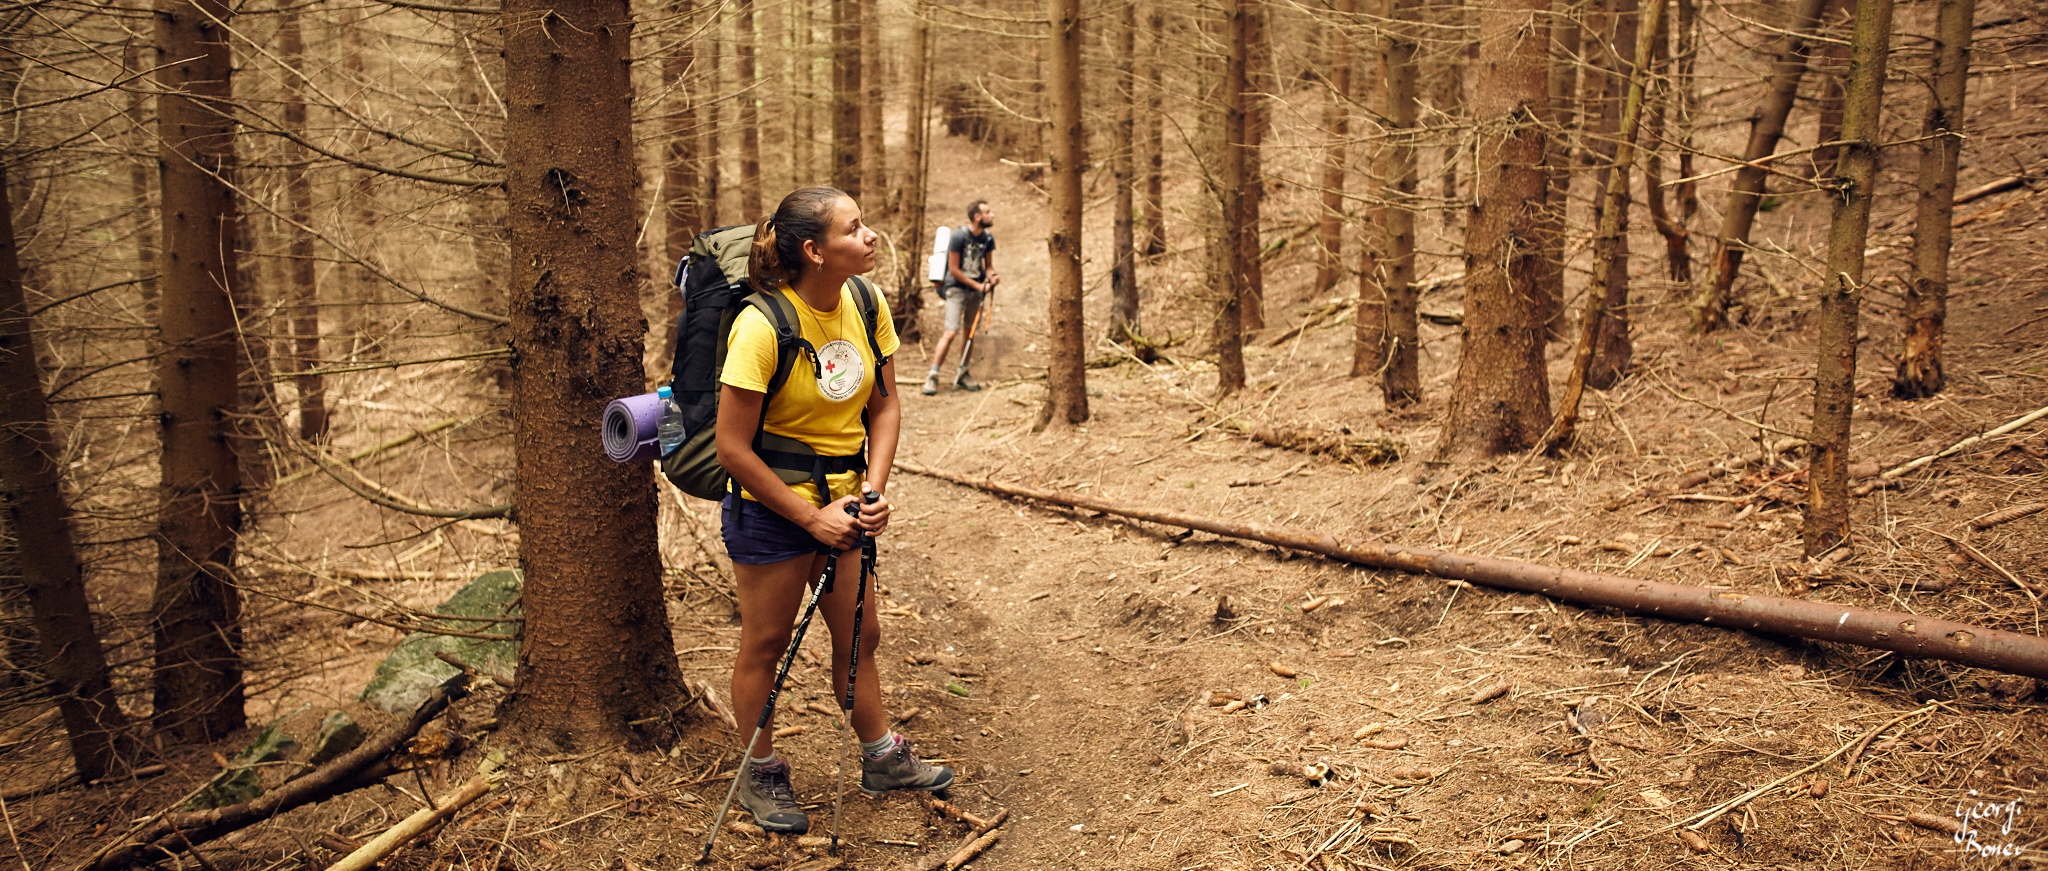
column 931, row 384
column 901, row 769
column 966, row 382
column 764, row 790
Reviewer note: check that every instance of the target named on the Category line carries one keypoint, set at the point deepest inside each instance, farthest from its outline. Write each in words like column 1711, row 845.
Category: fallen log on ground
column 1912, row 635
column 178, row 831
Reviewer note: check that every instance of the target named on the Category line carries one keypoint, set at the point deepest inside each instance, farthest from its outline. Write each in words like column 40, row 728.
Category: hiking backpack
column 712, row 278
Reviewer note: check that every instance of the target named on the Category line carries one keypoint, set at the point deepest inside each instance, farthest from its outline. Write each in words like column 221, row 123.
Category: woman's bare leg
column 769, row 598
column 868, row 720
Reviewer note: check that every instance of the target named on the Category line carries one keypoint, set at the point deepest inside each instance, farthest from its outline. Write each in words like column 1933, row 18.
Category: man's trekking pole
column 973, row 327
column 823, row 586
column 860, row 598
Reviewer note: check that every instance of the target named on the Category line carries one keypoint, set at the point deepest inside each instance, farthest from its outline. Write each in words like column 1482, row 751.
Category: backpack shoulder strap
column 870, row 312
column 782, row 316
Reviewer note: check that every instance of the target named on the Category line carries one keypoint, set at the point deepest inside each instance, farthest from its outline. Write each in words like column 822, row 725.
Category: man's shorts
column 961, row 306
column 757, row 536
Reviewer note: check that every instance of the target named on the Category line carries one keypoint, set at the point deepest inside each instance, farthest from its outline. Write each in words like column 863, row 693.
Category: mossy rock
column 242, row 780
column 411, row 672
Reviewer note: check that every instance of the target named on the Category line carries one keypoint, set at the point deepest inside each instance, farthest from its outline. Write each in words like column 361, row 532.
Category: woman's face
column 849, row 246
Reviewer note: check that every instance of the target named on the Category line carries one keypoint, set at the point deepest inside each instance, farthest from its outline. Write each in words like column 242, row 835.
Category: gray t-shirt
column 973, row 251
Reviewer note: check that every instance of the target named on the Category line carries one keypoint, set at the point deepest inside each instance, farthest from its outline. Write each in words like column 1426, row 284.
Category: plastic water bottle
column 670, row 431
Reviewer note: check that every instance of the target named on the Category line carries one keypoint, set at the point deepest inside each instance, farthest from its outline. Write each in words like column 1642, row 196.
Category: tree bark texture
column 1337, row 127
column 874, row 171
column 595, row 651
column 712, row 122
column 1710, row 313
column 1067, row 376
column 846, row 97
column 1609, row 252
column 1677, row 262
column 1229, row 327
column 682, row 206
column 304, row 269
column 1614, row 347
column 1447, row 92
column 1566, row 37
column 140, row 169
column 34, row 512
column 747, row 36
column 1123, row 276
column 909, row 304
column 1500, row 401
column 1834, row 387
column 196, row 611
column 1258, row 116
column 1919, row 373
column 1155, row 127
column 1832, row 68
column 1914, row 635
column 1401, row 385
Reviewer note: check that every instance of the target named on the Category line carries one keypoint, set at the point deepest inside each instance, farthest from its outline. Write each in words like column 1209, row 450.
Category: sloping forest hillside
column 1412, row 433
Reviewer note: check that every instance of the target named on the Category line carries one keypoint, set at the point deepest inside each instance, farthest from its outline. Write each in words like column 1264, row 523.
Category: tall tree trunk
column 1765, row 127
column 1832, row 69
column 1067, row 378
column 1500, row 401
column 1609, row 251
column 1257, row 120
column 196, row 613
column 305, row 274
column 746, row 37
column 1401, row 385
column 1228, row 337
column 846, row 97
column 595, row 654
column 1123, row 281
column 1566, row 37
column 1834, row 377
column 1447, row 95
column 916, row 176
column 712, row 85
column 140, row 168
column 34, row 513
column 1615, row 347
column 874, row 173
column 682, row 199
column 1919, row 374
column 806, row 101
column 1336, row 126
column 1155, row 126
column 1677, row 261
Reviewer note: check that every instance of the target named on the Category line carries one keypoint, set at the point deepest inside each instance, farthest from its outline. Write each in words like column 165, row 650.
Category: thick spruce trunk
column 1067, row 381
column 595, row 654
column 195, row 615
column 1500, row 401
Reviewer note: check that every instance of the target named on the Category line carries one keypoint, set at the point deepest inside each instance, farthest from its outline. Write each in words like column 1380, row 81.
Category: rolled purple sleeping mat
column 631, row 429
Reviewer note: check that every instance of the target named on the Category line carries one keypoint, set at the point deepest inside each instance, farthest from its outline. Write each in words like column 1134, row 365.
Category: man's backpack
column 713, row 281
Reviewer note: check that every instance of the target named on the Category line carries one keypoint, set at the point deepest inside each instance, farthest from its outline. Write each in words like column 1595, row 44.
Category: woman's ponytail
column 777, row 256
column 764, row 265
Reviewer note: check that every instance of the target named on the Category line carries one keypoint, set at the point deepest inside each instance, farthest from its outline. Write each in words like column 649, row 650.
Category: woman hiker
column 780, row 535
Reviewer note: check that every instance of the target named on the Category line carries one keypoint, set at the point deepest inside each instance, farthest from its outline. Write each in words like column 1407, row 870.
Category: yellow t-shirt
column 819, row 405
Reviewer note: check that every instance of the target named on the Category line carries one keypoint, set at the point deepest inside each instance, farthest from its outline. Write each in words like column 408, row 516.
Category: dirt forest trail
column 1137, row 697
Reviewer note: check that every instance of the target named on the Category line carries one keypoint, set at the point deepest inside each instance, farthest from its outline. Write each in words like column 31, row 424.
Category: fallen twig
column 368, row 855
column 2007, row 515
column 1979, row 558
column 1951, row 450
column 1700, row 820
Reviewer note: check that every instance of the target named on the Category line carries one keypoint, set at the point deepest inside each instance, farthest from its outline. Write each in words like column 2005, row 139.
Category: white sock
column 879, row 747
column 760, row 761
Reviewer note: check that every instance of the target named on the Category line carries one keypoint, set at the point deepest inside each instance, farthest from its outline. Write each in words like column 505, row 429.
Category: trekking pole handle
column 869, row 497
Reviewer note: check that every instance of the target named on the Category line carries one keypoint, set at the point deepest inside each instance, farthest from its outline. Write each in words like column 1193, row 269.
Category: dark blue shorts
column 756, row 536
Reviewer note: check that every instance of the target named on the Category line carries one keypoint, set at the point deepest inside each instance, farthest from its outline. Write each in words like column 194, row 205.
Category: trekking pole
column 973, row 327
column 860, row 598
column 823, row 586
